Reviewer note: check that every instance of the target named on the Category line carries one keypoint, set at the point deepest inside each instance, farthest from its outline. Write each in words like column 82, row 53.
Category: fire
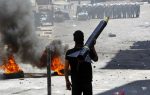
column 10, row 66
column 57, row 65
column 56, row 62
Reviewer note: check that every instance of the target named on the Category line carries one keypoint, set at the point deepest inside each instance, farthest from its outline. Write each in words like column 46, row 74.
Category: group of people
column 114, row 10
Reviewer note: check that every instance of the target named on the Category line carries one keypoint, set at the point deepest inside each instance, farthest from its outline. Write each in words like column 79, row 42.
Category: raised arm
column 93, row 54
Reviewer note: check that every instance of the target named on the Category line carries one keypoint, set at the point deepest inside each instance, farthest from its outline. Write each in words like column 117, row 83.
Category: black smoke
column 55, row 49
column 18, row 35
column 17, row 29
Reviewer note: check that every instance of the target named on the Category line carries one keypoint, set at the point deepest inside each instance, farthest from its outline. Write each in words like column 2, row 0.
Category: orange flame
column 10, row 66
column 57, row 65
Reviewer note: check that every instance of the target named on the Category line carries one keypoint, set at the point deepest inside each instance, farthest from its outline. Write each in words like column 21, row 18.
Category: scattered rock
column 21, row 78
column 94, row 66
column 112, row 35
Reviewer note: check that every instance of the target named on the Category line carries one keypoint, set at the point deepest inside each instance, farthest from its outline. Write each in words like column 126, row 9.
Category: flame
column 10, row 66
column 57, row 65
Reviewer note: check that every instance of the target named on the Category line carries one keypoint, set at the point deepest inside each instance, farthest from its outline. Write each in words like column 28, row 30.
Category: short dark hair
column 78, row 37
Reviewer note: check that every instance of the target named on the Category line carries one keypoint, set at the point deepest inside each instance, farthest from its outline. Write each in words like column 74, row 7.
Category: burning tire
column 19, row 74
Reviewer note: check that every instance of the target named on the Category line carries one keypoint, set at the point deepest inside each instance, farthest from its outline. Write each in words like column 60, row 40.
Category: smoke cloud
column 57, row 49
column 17, row 32
column 17, row 29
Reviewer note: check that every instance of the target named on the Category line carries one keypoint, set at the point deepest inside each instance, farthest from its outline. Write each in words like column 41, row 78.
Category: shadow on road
column 137, row 57
column 140, row 87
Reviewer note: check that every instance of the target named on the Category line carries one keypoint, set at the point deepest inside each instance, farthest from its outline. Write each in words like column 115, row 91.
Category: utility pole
column 48, row 70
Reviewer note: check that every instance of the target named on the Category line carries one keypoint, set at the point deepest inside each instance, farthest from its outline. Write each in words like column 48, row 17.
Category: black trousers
column 85, row 88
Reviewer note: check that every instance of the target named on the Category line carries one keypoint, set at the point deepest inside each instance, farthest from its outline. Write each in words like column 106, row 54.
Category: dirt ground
column 123, row 64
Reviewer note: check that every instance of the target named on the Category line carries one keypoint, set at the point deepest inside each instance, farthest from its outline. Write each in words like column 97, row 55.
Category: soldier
column 93, row 11
column 124, row 10
column 129, row 11
column 110, row 11
column 89, row 11
column 137, row 10
column 132, row 10
column 106, row 10
column 96, row 10
column 114, row 11
column 79, row 9
column 119, row 8
column 100, row 13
